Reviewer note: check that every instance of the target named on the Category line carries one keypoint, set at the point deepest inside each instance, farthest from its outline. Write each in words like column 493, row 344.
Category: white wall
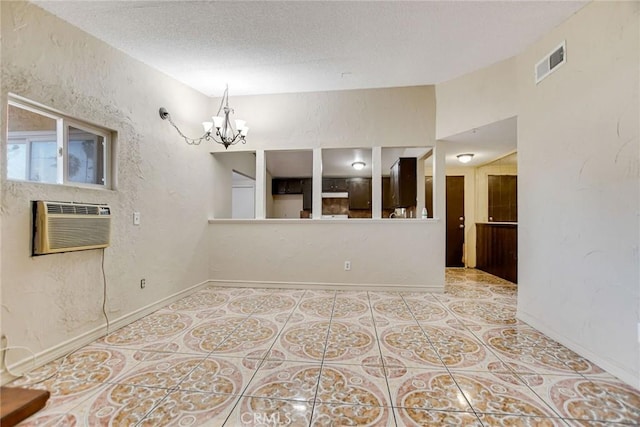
column 291, row 252
column 384, row 254
column 477, row 99
column 54, row 302
column 579, row 188
column 401, row 117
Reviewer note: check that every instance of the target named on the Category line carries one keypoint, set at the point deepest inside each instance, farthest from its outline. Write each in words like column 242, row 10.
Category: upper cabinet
column 359, row 193
column 286, row 186
column 403, row 182
column 334, row 185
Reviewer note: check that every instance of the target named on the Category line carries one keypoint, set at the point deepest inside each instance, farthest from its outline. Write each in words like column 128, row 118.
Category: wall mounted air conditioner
column 65, row 227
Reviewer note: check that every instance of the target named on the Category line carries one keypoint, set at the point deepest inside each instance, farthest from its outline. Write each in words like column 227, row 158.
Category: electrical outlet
column 136, row 218
column 347, row 266
column 143, row 283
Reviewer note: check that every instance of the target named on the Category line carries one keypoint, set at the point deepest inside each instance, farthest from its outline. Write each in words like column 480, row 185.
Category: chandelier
column 225, row 133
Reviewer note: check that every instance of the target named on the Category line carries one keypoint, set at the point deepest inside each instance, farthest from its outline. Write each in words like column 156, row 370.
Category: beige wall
column 53, row 303
column 384, row 254
column 399, row 117
column 477, row 99
column 579, row 188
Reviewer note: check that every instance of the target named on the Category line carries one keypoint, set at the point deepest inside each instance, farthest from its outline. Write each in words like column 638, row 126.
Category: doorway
column 455, row 221
column 454, row 215
column 243, row 196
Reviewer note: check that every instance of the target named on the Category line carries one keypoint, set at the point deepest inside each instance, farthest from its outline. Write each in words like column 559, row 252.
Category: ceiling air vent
column 551, row 62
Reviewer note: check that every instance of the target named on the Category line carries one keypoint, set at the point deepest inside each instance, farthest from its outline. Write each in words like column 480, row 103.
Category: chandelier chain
column 190, row 141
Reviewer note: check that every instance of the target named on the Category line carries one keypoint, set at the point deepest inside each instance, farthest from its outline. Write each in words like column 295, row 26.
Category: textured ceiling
column 279, row 47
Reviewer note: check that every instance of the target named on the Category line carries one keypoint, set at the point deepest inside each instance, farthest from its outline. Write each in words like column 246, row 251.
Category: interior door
column 455, row 221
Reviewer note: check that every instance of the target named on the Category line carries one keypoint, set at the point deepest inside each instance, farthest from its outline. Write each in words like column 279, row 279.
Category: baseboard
column 327, row 286
column 629, row 377
column 73, row 344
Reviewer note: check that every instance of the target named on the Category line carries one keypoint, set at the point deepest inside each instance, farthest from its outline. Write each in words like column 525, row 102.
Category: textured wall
column 477, row 99
column 382, row 252
column 402, row 117
column 579, row 188
column 50, row 299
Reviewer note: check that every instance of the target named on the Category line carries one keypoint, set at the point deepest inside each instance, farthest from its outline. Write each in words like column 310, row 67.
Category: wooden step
column 17, row 404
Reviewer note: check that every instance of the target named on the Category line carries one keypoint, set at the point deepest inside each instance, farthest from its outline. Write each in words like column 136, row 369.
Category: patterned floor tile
column 331, row 415
column 162, row 374
column 292, row 381
column 255, row 333
column 261, row 412
column 351, row 385
column 117, row 405
column 408, row 344
column 152, row 329
column 349, row 343
column 188, row 408
column 429, row 390
column 487, row 394
column 595, row 400
column 519, row 421
column 257, row 357
column 418, row 417
column 217, row 375
column 303, row 341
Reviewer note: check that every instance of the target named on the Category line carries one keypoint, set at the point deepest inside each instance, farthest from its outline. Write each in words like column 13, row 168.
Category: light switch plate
column 136, row 218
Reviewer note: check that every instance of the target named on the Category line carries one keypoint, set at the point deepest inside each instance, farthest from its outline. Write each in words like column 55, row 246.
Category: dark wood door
column 428, row 195
column 360, row 193
column 455, row 221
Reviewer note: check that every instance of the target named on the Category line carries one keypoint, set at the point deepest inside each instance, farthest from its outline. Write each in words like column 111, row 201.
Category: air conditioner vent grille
column 66, row 227
column 71, row 209
column 550, row 62
column 69, row 232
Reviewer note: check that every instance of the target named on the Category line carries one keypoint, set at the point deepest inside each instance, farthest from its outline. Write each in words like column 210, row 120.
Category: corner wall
column 52, row 304
column 579, row 188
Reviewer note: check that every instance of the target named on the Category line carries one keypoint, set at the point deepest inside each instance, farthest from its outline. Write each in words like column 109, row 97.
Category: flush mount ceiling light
column 358, row 165
column 465, row 158
column 225, row 133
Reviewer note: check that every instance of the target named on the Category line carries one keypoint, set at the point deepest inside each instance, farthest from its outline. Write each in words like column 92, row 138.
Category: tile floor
column 258, row 357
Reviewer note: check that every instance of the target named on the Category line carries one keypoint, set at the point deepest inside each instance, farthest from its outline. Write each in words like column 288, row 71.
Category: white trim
column 629, row 377
column 73, row 344
column 327, row 286
column 325, row 220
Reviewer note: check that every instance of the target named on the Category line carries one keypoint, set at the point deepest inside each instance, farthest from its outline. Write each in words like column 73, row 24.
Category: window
column 43, row 146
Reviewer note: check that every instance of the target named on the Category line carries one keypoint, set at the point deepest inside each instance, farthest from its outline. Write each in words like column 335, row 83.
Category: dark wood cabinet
column 503, row 198
column 307, row 191
column 359, row 193
column 403, row 182
column 286, row 186
column 335, row 185
column 387, row 202
column 497, row 250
